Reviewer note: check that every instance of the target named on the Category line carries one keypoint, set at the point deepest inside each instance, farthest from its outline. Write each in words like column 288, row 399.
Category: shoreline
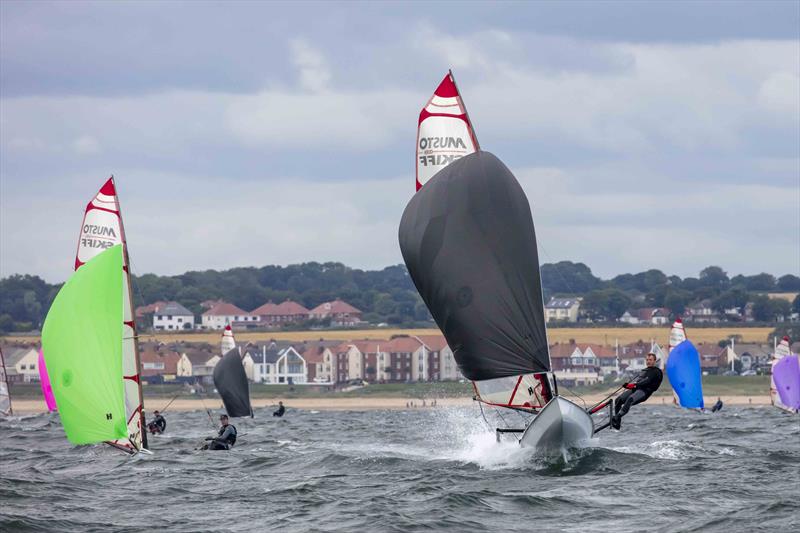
column 28, row 406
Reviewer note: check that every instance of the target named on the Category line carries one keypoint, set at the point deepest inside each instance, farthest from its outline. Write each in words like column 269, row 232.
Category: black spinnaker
column 230, row 379
column 468, row 241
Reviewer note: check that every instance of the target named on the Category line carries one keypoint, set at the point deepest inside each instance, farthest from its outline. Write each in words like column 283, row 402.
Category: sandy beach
column 357, row 404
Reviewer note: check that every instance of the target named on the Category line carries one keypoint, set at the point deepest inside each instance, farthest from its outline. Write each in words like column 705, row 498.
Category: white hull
column 559, row 425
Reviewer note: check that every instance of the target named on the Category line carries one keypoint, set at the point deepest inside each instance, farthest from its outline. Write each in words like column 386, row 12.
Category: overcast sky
column 646, row 135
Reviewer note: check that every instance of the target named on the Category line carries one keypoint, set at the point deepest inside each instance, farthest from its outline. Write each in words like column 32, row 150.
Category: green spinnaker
column 82, row 343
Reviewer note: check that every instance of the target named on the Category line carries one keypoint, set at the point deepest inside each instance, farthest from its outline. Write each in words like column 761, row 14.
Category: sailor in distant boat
column 226, row 438
column 158, row 424
column 717, row 406
column 638, row 390
column 281, row 410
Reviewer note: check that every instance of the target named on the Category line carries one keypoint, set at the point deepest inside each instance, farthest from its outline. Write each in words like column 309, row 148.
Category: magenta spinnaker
column 786, row 375
column 47, row 390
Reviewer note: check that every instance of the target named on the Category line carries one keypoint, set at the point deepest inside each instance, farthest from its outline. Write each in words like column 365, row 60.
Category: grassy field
column 607, row 336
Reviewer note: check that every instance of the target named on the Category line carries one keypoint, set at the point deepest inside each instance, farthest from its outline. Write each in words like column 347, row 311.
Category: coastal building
column 443, row 366
column 320, row 361
column 222, row 314
column 172, row 316
column 701, row 312
column 657, row 316
column 198, row 363
column 287, row 312
column 158, row 362
column 22, row 364
column 339, row 312
column 562, row 309
column 279, row 366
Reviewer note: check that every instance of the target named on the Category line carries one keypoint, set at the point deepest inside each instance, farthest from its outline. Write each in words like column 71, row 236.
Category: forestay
column 230, row 380
column 444, row 132
column 102, row 228
column 469, row 243
column 82, row 345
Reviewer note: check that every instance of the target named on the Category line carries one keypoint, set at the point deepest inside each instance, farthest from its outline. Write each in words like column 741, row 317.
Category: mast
column 129, row 317
column 5, row 388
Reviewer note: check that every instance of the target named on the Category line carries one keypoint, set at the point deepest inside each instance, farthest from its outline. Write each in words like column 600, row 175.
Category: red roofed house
column 223, row 313
column 158, row 362
column 443, row 363
column 341, row 313
column 288, row 312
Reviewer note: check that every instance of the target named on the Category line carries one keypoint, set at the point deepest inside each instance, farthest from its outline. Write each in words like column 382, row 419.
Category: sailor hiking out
column 226, row 437
column 158, row 424
column 281, row 410
column 638, row 390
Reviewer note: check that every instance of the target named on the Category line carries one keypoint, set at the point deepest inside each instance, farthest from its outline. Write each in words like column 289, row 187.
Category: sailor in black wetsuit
column 226, row 438
column 280, row 411
column 638, row 390
column 717, row 406
column 158, row 424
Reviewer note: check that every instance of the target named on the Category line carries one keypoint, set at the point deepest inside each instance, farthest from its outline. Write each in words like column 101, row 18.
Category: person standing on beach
column 638, row 390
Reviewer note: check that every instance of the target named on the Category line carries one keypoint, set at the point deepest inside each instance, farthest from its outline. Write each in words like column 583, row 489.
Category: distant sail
column 82, row 345
column 102, row 228
column 677, row 334
column 44, row 381
column 228, row 343
column 469, row 243
column 444, row 133
column 230, row 380
column 5, row 390
column 685, row 375
column 785, row 381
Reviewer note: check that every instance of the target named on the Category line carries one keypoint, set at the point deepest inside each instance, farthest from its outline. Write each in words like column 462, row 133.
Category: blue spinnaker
column 685, row 375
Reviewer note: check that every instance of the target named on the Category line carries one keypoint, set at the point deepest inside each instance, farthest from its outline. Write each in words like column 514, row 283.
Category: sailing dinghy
column 44, row 381
column 785, row 389
column 230, row 380
column 5, row 390
column 82, row 340
column 227, row 343
column 468, row 240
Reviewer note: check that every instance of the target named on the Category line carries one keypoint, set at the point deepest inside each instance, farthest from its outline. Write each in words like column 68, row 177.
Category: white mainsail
column 444, row 131
column 5, row 392
column 101, row 229
column 227, row 343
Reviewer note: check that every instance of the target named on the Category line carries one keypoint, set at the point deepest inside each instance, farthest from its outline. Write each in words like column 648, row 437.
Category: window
column 23, row 367
column 180, row 319
column 161, row 317
column 398, row 365
column 153, row 366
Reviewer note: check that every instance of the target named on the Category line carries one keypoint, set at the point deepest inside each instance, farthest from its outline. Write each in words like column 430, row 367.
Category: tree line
column 389, row 295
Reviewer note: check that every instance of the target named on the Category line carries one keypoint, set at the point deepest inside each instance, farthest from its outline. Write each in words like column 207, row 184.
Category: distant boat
column 44, row 381
column 684, row 370
column 785, row 382
column 468, row 240
column 82, row 341
column 102, row 229
column 444, row 131
column 230, row 380
column 227, row 343
column 5, row 389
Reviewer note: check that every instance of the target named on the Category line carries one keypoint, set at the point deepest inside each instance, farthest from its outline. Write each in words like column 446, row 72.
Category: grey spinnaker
column 468, row 240
column 230, row 379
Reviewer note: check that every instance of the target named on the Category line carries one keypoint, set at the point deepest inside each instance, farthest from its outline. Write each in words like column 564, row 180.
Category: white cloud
column 314, row 71
column 86, row 145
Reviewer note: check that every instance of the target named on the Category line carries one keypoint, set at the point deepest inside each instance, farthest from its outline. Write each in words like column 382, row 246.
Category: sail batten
column 469, row 243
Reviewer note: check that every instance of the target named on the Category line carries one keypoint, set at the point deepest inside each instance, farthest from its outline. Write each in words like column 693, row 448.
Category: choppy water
column 668, row 470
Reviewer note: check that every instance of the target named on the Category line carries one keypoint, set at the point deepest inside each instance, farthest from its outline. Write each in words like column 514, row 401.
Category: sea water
column 431, row 469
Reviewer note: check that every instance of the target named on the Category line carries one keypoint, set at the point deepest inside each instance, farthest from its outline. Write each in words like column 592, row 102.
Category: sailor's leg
column 621, row 399
column 637, row 397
